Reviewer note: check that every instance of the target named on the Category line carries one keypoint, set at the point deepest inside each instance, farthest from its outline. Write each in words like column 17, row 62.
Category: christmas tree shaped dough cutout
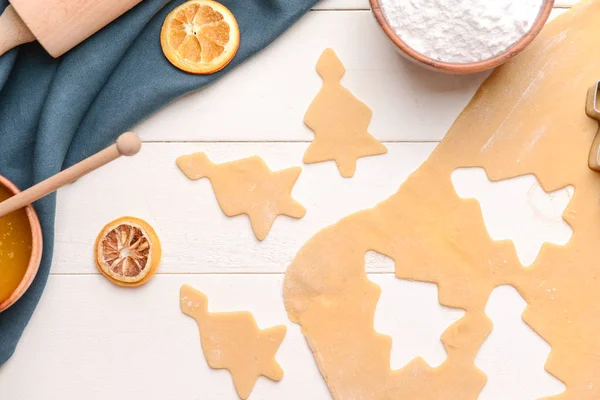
column 232, row 341
column 339, row 121
column 248, row 186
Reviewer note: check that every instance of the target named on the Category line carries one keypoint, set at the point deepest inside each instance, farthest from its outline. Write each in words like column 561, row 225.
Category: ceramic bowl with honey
column 20, row 248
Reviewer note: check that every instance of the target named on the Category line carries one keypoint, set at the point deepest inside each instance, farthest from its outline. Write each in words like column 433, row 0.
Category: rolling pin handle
column 13, row 31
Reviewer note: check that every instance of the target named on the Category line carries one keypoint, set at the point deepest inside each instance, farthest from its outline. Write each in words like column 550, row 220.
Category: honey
column 15, row 247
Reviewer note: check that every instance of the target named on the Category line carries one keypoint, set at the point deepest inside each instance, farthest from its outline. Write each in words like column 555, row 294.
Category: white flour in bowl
column 461, row 31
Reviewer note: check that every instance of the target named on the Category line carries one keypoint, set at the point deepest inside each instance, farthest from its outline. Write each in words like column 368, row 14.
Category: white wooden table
column 92, row 340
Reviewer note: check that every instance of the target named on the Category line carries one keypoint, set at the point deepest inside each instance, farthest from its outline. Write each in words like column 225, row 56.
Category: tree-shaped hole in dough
column 409, row 312
column 513, row 355
column 518, row 209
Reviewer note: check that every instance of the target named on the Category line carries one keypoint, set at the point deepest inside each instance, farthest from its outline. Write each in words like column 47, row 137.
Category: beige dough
column 232, row 341
column 528, row 117
column 248, row 186
column 339, row 121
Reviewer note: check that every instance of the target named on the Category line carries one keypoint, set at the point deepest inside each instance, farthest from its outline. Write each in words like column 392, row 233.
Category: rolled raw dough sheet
column 528, row 117
column 232, row 341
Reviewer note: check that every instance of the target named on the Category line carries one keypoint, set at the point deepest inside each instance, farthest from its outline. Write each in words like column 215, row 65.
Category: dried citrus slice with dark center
column 200, row 36
column 127, row 251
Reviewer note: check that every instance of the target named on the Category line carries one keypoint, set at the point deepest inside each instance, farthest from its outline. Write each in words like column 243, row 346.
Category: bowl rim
column 36, row 249
column 464, row 68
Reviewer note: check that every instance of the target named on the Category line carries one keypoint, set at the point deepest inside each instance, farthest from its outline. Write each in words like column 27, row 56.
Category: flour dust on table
column 461, row 31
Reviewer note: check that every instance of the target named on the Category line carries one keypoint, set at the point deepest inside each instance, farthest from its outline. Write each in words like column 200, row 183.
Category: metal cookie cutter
column 592, row 110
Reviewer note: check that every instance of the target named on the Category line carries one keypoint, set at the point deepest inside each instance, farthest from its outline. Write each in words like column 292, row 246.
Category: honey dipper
column 128, row 144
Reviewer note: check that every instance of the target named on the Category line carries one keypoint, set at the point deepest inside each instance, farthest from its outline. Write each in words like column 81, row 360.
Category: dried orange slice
column 127, row 251
column 200, row 36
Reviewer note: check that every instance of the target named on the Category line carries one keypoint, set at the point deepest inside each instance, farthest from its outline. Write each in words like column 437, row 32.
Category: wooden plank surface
column 342, row 5
column 196, row 236
column 565, row 3
column 91, row 340
column 282, row 81
column 95, row 341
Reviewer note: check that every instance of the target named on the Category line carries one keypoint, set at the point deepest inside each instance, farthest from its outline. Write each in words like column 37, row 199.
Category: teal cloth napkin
column 55, row 112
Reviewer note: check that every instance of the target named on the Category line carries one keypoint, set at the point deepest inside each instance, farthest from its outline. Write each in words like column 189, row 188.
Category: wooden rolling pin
column 128, row 144
column 59, row 25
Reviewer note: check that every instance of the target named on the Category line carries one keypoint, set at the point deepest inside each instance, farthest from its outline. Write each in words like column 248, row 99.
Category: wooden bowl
column 463, row 68
column 36, row 250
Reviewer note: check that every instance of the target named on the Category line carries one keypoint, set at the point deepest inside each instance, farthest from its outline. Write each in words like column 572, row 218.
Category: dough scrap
column 339, row 121
column 232, row 341
column 527, row 117
column 248, row 186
